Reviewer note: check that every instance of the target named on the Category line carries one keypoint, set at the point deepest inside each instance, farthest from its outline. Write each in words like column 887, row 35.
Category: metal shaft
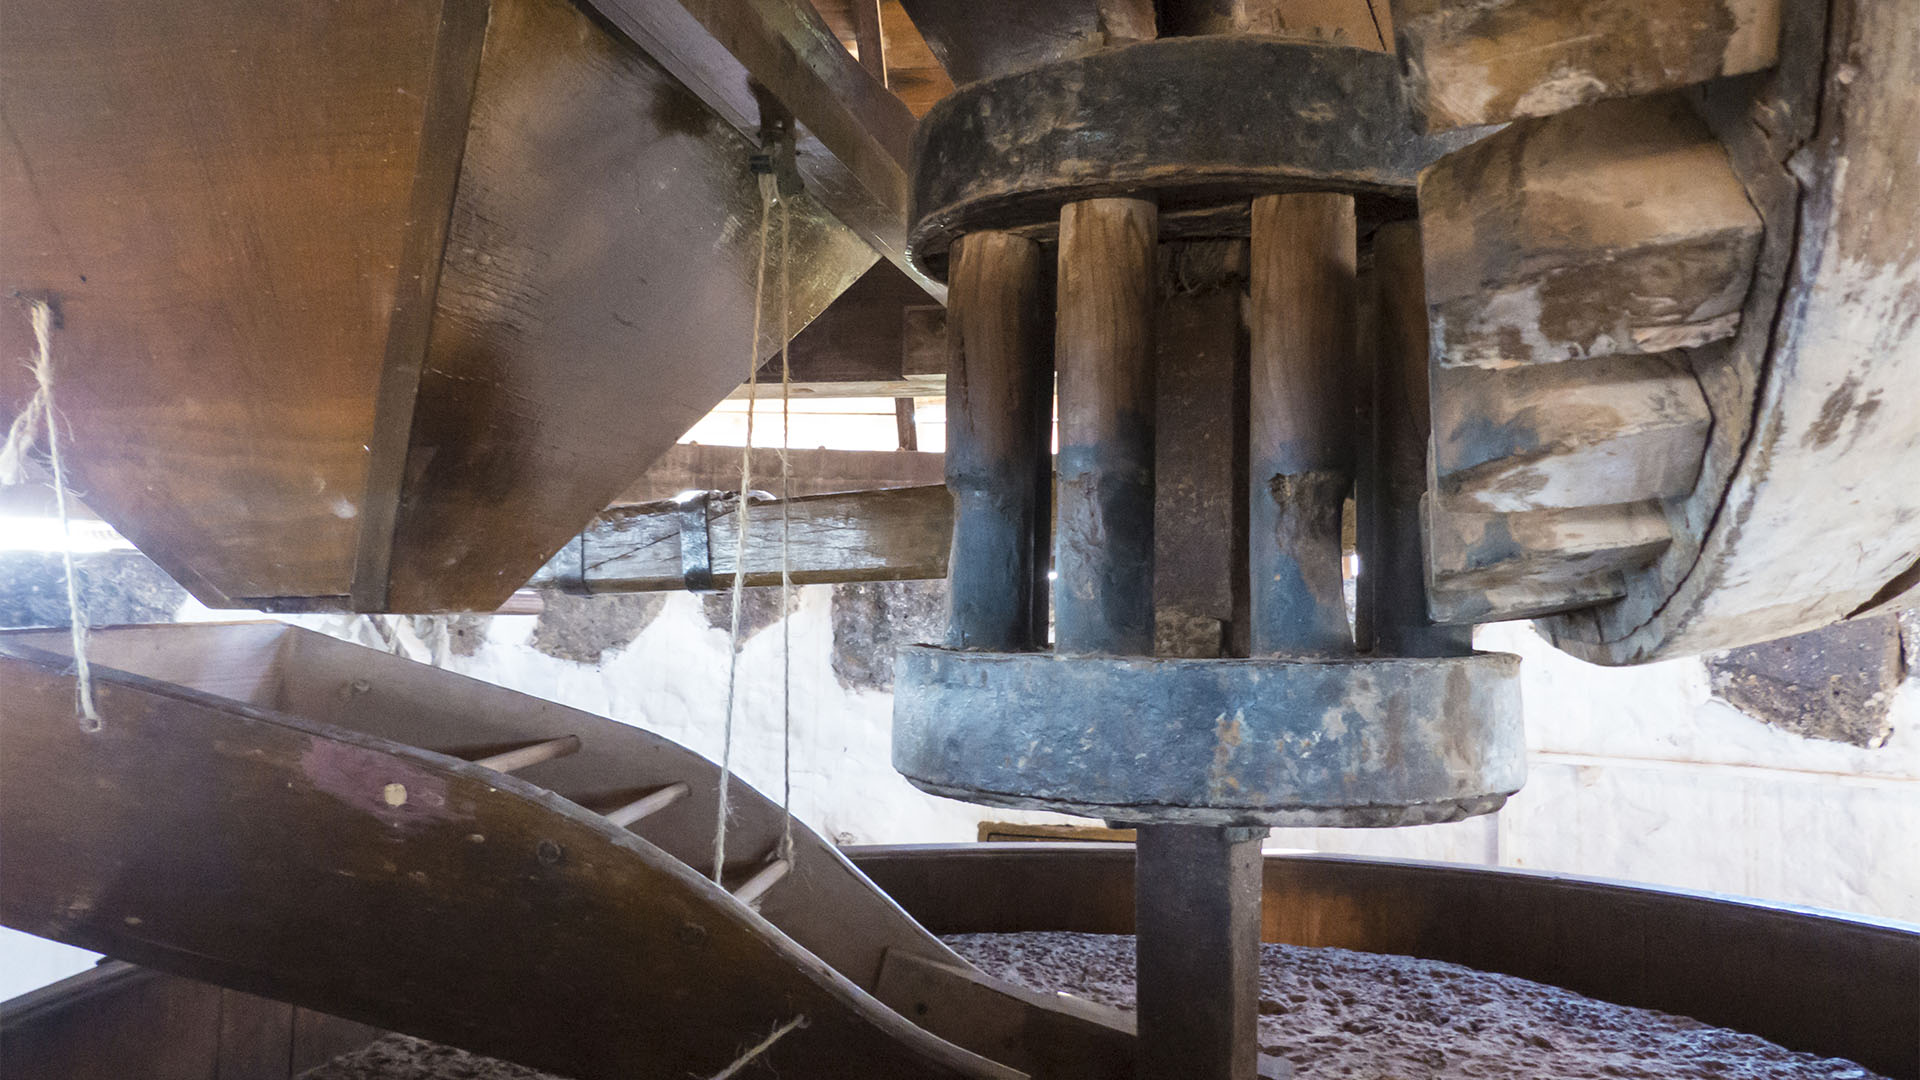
column 998, row 397
column 1396, row 559
column 1301, row 420
column 1103, row 543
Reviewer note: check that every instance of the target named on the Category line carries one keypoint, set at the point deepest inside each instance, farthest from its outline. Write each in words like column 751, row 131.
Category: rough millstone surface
column 1366, row 1016
column 1835, row 683
column 871, row 619
column 583, row 627
column 402, row 1057
column 116, row 587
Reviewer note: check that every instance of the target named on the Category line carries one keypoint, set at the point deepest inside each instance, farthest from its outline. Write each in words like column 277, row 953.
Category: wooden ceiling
column 912, row 72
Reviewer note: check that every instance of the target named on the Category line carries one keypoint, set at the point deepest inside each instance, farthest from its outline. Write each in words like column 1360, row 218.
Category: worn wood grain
column 888, row 535
column 853, row 136
column 1485, row 61
column 1622, row 429
column 225, row 232
column 1617, row 228
column 576, row 335
column 1103, row 357
column 1827, row 464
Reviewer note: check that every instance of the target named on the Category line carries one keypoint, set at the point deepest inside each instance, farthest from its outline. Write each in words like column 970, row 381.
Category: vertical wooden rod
column 1397, row 560
column 868, row 34
column 1103, row 347
column 1301, row 437
column 998, row 372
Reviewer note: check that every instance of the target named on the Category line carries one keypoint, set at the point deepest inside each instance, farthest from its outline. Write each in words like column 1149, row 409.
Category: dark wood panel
column 860, row 337
column 597, row 299
column 220, row 196
column 402, row 887
column 162, row 1029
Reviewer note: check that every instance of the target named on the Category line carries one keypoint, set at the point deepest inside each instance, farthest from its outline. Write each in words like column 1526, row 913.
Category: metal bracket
column 696, row 542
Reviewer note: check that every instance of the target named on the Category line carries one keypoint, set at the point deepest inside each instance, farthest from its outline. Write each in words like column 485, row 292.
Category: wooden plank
column 854, row 135
column 221, row 196
column 816, row 471
column 112, row 1022
column 575, row 335
column 256, row 1037
column 456, row 65
column 1056, row 1036
column 899, row 534
column 306, row 876
column 909, row 386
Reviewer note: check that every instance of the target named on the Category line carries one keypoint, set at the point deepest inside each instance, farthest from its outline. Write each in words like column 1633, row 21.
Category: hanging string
column 762, row 1047
column 13, row 470
column 768, row 194
column 786, row 545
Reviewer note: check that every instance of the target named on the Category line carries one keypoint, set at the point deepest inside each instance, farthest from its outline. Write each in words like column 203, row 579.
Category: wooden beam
column 895, row 535
column 853, row 135
column 906, row 386
column 693, row 467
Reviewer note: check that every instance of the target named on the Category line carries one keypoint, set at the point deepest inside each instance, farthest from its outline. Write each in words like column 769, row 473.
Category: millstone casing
column 1370, row 742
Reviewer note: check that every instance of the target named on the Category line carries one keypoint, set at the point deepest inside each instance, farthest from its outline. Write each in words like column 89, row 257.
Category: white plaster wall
column 1640, row 774
column 1636, row 774
column 672, row 680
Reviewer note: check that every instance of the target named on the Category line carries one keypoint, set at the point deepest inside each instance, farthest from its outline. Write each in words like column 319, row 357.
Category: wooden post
column 1103, row 544
column 1397, row 561
column 996, row 383
column 1301, row 420
column 868, row 34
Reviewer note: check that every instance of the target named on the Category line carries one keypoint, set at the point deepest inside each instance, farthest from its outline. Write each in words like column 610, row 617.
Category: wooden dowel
column 754, row 887
column 998, row 364
column 1103, row 349
column 1301, row 419
column 648, row 804
column 515, row 760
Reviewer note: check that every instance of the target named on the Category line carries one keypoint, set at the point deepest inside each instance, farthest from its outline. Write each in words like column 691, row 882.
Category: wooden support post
column 1397, row 560
column 1103, row 544
column 996, row 380
column 871, row 40
column 1197, row 925
column 525, row 756
column 1301, row 420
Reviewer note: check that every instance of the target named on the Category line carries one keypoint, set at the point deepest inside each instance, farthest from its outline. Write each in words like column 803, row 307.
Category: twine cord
column 13, row 470
column 768, row 194
column 761, row 1047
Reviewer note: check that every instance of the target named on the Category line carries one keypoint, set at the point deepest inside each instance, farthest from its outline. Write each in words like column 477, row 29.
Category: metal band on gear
column 1195, row 122
column 1371, row 742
